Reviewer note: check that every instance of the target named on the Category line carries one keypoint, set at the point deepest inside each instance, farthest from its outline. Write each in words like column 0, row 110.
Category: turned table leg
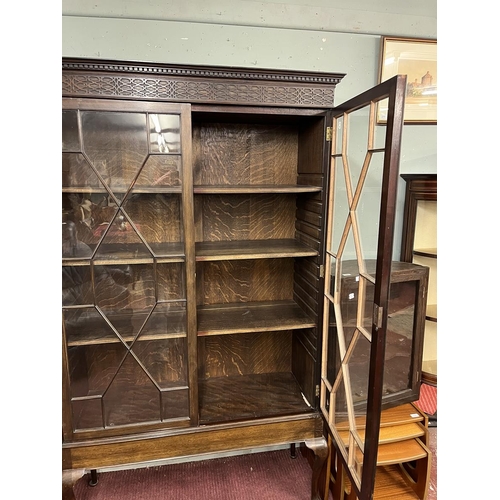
column 319, row 447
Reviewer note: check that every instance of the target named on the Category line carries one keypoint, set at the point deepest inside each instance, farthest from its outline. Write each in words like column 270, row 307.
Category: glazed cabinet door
column 362, row 199
column 126, row 261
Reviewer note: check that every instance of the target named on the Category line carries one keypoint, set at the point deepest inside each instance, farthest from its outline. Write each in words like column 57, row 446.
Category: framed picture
column 417, row 59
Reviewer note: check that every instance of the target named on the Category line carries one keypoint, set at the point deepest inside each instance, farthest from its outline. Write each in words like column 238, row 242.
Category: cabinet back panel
column 244, row 217
column 238, row 153
column 225, row 282
column 244, row 354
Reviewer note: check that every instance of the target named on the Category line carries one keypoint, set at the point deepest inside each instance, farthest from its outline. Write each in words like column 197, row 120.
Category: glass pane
column 70, row 136
column 85, row 217
column 340, row 206
column 132, row 397
column 175, row 404
column 164, row 133
column 157, row 218
column 87, row 413
column 159, row 171
column 116, row 144
column 399, row 337
column 338, row 126
column 167, row 320
column 368, row 210
column 86, row 326
column 92, row 367
column 126, row 295
column 164, row 360
column 76, row 286
column 78, row 174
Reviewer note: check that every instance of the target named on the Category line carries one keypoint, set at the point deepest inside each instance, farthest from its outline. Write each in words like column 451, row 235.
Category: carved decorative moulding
column 203, row 84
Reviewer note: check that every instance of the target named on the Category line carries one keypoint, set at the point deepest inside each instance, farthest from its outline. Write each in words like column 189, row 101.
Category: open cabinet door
column 363, row 181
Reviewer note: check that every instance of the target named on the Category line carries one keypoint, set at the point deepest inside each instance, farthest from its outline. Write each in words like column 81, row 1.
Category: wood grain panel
column 238, row 153
column 244, row 354
column 244, row 217
column 247, row 280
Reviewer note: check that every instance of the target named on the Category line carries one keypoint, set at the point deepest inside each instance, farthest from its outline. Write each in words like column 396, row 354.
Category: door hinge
column 377, row 316
column 317, row 391
column 321, row 271
column 329, row 134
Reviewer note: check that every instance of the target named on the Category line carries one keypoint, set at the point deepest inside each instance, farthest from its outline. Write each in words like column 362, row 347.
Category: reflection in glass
column 76, row 286
column 124, row 311
column 78, row 174
column 85, row 326
column 164, row 133
column 84, row 218
column 157, row 218
column 70, row 136
column 159, row 171
column 116, row 145
column 132, row 397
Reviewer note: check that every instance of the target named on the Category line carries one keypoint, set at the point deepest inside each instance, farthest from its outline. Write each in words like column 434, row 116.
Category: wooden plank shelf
column 398, row 415
column 255, row 188
column 251, row 249
column 250, row 396
column 123, row 254
column 222, row 319
column 138, row 190
column 392, row 434
column 90, row 328
column 431, row 312
column 426, row 252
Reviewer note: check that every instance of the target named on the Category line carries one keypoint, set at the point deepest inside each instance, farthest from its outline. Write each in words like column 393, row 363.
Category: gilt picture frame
column 417, row 59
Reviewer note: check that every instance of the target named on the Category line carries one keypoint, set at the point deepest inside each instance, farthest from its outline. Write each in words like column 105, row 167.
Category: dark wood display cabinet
column 419, row 245
column 194, row 202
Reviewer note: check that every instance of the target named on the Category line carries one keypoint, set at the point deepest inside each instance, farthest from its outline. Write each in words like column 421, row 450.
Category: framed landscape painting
column 417, row 59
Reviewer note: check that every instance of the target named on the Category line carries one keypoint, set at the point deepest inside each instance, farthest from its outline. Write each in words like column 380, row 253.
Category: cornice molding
column 202, row 71
column 201, row 84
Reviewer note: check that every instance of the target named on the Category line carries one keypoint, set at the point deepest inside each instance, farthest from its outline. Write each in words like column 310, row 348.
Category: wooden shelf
column 431, row 312
column 91, row 328
column 250, row 396
column 122, row 254
column 222, row 319
column 390, row 484
column 138, row 190
column 255, row 188
column 392, row 434
column 398, row 415
column 426, row 252
column 251, row 249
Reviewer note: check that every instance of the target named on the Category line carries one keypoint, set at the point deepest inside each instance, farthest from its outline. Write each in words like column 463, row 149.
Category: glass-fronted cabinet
column 419, row 245
column 124, row 291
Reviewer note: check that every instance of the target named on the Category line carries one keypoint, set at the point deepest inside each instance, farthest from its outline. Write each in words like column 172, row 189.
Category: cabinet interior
column 257, row 217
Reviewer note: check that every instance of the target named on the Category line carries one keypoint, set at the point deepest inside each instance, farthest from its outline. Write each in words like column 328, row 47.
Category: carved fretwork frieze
column 203, row 85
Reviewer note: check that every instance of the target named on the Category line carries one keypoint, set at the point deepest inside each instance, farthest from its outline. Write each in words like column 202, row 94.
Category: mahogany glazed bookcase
column 194, row 202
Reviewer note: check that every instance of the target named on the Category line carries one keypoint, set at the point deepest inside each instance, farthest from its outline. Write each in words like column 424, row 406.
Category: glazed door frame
column 186, row 256
column 364, row 444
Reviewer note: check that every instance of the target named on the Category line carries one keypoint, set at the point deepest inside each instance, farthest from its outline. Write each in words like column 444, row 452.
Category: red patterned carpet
column 271, row 475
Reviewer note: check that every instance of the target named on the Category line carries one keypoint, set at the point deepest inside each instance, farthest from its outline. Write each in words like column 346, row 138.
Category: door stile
column 190, row 268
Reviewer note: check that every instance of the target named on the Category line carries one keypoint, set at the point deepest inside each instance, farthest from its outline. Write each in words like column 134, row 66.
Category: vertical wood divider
column 189, row 242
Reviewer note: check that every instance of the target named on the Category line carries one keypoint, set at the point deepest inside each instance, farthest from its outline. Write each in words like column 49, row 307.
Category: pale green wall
column 285, row 34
